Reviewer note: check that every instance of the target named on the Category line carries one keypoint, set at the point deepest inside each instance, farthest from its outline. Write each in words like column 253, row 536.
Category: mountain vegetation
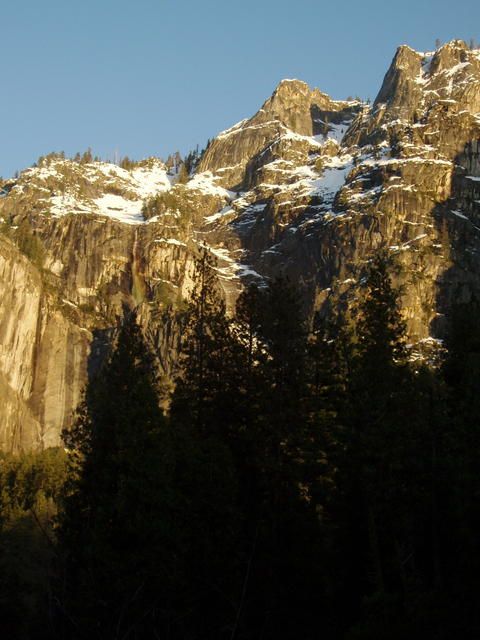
column 309, row 480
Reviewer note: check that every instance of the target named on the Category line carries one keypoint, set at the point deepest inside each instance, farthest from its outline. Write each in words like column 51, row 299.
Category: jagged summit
column 292, row 109
column 440, row 72
column 299, row 85
column 416, row 89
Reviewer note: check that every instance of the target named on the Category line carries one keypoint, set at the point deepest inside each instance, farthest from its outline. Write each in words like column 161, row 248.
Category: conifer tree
column 461, row 451
column 116, row 530
column 203, row 410
column 328, row 367
column 380, row 451
column 183, row 174
column 275, row 473
column 86, row 157
column 207, row 350
column 271, row 330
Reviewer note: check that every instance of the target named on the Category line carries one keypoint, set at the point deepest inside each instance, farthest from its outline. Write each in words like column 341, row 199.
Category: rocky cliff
column 308, row 187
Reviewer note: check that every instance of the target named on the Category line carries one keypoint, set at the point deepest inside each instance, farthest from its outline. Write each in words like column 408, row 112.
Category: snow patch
column 334, row 175
column 205, row 183
column 459, row 214
column 173, row 241
column 239, row 128
column 117, row 207
column 220, row 214
column 234, row 129
column 140, row 183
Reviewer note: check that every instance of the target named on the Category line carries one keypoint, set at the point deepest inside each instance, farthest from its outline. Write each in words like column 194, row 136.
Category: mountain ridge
column 308, row 187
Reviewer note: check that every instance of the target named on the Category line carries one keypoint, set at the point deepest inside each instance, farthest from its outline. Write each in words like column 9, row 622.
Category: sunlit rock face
column 308, row 187
column 293, row 113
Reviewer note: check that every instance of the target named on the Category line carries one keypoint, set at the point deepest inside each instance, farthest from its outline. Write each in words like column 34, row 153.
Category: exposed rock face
column 293, row 108
column 307, row 187
column 421, row 89
column 42, row 357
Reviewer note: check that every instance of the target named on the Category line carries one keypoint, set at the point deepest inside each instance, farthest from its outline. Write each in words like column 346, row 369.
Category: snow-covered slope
column 62, row 187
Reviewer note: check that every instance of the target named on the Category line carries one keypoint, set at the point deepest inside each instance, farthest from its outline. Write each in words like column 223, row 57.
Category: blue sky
column 150, row 77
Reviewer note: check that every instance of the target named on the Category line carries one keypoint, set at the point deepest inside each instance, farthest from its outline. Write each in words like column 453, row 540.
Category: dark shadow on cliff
column 102, row 343
column 322, row 118
column 457, row 221
column 100, row 348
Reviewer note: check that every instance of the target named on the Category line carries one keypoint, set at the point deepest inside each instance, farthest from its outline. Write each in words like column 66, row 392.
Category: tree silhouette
column 116, row 530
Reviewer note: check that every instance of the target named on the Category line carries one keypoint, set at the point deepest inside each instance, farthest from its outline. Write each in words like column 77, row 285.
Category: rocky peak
column 431, row 72
column 293, row 109
column 399, row 85
column 287, row 85
column 418, row 85
column 448, row 56
column 295, row 105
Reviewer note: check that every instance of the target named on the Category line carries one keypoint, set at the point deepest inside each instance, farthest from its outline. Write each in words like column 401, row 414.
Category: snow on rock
column 333, row 178
column 121, row 192
column 328, row 185
column 174, row 241
column 335, row 132
column 234, row 129
column 220, row 214
column 111, row 191
column 67, row 203
column 120, row 209
column 144, row 180
column 230, row 269
column 390, row 161
column 239, row 128
column 222, row 254
column 205, row 182
column 291, row 135
column 459, row 214
column 244, row 271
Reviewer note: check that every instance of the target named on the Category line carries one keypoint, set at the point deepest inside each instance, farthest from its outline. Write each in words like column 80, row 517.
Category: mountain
column 308, row 187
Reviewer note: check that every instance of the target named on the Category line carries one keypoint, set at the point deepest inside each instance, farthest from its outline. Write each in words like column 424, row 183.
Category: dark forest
column 311, row 479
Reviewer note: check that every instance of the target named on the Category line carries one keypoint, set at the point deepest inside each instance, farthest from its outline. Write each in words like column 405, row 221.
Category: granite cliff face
column 292, row 109
column 308, row 187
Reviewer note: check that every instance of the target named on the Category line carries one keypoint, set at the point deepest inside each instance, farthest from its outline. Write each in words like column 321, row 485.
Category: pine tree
column 116, row 529
column 275, row 466
column 203, row 410
column 461, row 449
column 271, row 330
column 380, row 452
column 86, row 157
column 328, row 359
column 183, row 174
column 207, row 351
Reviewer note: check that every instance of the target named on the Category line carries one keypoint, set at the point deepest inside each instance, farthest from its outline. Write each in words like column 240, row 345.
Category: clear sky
column 153, row 76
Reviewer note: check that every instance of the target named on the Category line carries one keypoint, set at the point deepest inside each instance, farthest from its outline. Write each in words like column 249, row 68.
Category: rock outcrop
column 293, row 112
column 42, row 357
column 308, row 187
